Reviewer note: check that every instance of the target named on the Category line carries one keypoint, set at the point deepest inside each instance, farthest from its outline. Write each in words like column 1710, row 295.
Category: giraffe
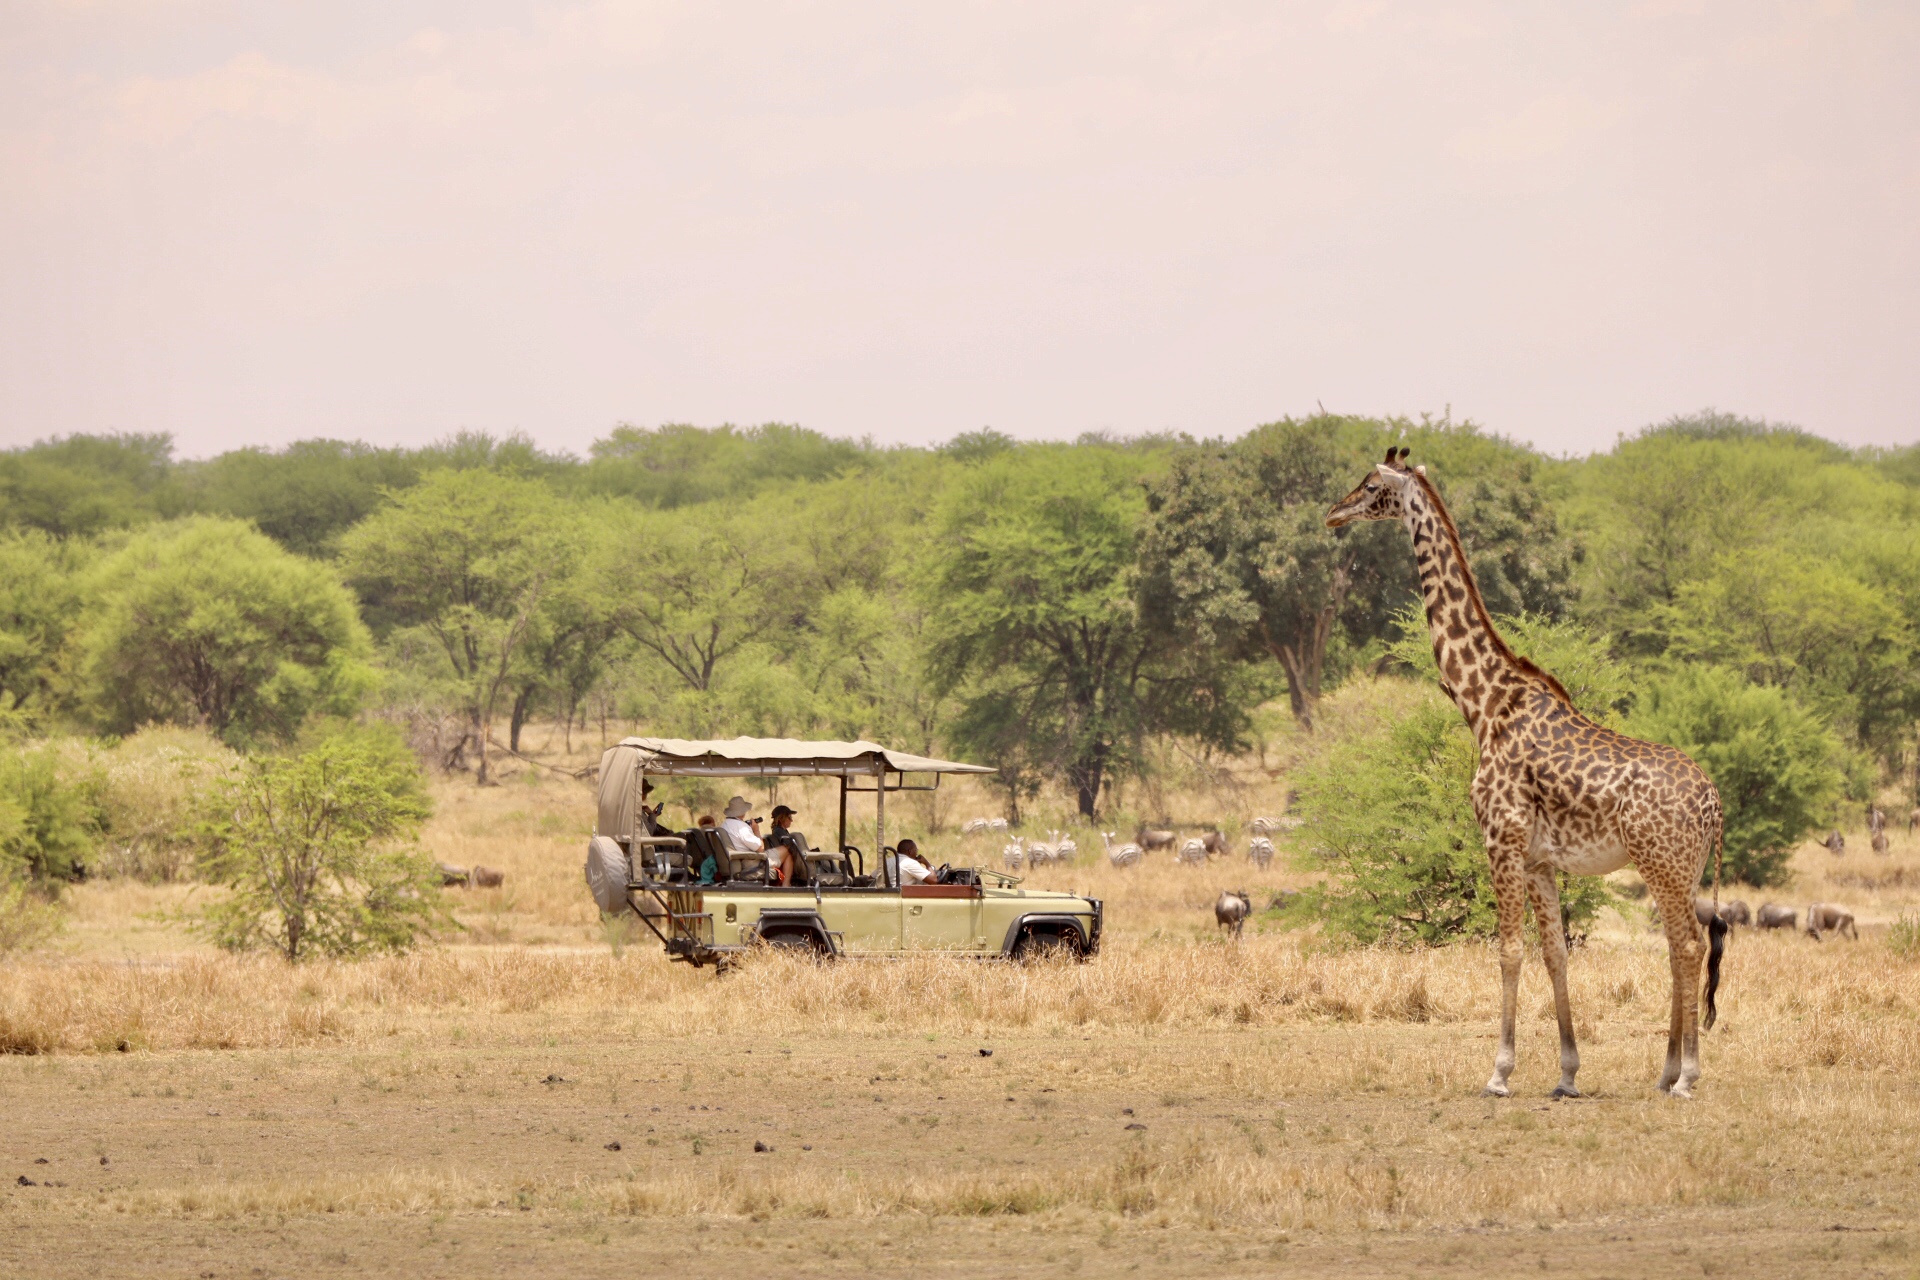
column 1554, row 791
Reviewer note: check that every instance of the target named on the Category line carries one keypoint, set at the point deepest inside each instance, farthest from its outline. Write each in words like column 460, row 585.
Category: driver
column 912, row 869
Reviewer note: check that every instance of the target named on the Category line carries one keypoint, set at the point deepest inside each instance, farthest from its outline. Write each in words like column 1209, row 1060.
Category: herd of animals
column 1231, row 909
column 1194, row 851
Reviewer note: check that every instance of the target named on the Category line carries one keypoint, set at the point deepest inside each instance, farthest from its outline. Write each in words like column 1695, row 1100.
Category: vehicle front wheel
column 1035, row 947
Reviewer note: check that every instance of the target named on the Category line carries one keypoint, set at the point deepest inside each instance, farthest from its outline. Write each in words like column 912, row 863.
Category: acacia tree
column 696, row 589
column 315, row 849
column 1032, row 622
column 1236, row 552
column 207, row 622
column 469, row 557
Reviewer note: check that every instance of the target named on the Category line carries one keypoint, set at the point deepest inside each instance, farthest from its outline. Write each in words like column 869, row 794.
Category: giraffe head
column 1378, row 496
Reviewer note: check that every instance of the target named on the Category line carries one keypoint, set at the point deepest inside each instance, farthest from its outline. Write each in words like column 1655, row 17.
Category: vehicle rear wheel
column 791, row 943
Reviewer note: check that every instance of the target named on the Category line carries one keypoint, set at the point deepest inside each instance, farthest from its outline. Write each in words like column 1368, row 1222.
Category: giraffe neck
column 1477, row 668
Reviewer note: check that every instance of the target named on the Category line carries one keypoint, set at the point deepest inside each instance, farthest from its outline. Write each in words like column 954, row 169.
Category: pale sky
column 251, row 223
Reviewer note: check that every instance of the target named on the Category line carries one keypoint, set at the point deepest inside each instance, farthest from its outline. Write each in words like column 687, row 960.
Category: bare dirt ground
column 1179, row 1106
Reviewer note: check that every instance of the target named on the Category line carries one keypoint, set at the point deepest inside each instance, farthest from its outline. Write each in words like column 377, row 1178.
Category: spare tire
column 607, row 874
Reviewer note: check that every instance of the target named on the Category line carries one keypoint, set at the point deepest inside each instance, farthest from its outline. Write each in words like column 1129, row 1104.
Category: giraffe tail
column 1716, row 947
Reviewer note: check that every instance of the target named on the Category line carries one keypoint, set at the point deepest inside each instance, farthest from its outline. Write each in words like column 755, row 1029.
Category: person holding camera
column 741, row 832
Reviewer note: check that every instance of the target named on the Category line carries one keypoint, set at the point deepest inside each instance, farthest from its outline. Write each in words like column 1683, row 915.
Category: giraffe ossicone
column 1554, row 791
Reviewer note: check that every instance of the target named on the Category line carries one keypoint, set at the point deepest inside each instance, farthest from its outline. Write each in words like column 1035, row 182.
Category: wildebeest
column 1217, row 846
column 452, row 875
column 1733, row 911
column 1876, row 819
column 1230, row 910
column 1824, row 917
column 1775, row 916
column 487, row 877
column 1151, row 838
column 1880, row 842
column 1835, row 843
column 1913, row 819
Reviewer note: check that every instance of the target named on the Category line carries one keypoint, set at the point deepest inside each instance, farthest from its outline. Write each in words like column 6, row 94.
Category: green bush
column 316, row 848
column 1388, row 818
column 1778, row 768
column 25, row 917
column 49, row 816
column 151, row 787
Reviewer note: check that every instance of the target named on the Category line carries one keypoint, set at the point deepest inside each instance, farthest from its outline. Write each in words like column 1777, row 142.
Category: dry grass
column 1286, row 1087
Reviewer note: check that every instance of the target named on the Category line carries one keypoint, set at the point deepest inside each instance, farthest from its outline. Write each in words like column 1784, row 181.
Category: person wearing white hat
column 740, row 832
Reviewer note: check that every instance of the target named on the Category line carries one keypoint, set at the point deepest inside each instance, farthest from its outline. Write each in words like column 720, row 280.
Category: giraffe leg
column 1553, row 950
column 1510, row 895
column 1683, row 955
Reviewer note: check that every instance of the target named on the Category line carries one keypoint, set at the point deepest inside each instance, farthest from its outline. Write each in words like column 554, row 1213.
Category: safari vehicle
column 844, row 904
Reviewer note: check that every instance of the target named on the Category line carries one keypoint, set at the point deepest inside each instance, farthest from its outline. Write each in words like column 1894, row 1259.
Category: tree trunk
column 481, row 729
column 521, row 701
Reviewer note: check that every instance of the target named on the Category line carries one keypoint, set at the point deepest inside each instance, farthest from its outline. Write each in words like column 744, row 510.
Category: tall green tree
column 40, row 602
column 1237, row 554
column 1029, row 591
column 469, row 558
column 84, row 484
column 303, row 496
column 206, row 622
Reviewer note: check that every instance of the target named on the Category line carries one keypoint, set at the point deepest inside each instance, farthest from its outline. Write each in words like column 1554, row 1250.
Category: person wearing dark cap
column 785, row 846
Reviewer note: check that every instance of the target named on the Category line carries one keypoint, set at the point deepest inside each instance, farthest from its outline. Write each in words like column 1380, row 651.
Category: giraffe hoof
column 1565, row 1091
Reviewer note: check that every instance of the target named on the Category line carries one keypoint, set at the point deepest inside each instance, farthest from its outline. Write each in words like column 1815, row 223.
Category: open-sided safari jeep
column 844, row 904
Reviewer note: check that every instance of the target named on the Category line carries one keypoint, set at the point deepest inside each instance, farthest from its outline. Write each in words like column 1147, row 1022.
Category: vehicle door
column 867, row 920
column 941, row 917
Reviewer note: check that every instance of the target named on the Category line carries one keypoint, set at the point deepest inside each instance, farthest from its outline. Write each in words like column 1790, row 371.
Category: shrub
column 1389, row 819
column 49, row 816
column 316, row 848
column 151, row 789
column 1777, row 766
column 25, row 917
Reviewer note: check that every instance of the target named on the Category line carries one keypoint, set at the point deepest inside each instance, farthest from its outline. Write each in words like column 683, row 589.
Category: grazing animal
column 1260, row 851
column 1217, row 846
column 1066, row 849
column 1014, row 854
column 452, row 875
column 1039, row 852
column 1264, row 826
column 1880, row 842
column 1824, row 917
column 1775, row 916
column 1732, row 911
column 1913, row 819
column 1194, row 852
column 1151, row 838
column 1230, row 910
column 1120, row 855
column 487, row 877
column 1554, row 791
column 1876, row 819
column 974, row 826
column 1835, row 843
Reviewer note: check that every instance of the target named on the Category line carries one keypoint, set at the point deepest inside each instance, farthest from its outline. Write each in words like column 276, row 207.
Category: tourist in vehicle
column 650, row 817
column 785, row 847
column 912, row 869
column 742, row 832
column 709, row 867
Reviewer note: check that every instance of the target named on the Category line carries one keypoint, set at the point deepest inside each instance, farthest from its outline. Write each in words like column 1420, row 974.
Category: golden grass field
column 1181, row 1105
